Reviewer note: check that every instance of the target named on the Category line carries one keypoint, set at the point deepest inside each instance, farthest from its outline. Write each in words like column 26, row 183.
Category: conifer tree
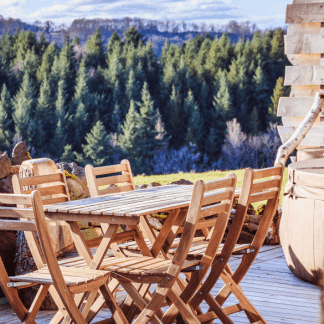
column 279, row 91
column 68, row 155
column 30, row 65
column 223, row 101
column 177, row 118
column 261, row 96
column 95, row 53
column 133, row 88
column 277, row 46
column 58, row 142
column 5, row 119
column 114, row 41
column 76, row 40
column 25, row 41
column 7, row 52
column 195, row 123
column 42, row 119
column 23, row 106
column 42, row 45
column 133, row 38
column 47, row 61
column 97, row 151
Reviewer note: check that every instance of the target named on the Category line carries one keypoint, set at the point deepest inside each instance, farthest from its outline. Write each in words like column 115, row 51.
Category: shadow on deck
column 269, row 284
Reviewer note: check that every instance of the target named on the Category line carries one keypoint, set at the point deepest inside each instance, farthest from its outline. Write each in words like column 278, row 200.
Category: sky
column 265, row 13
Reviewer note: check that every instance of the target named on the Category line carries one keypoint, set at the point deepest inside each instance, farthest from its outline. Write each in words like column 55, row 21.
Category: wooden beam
column 304, row 44
column 304, row 75
column 304, row 13
column 294, row 107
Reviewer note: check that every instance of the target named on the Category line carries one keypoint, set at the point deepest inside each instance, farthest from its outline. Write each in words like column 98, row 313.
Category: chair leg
column 37, row 303
column 98, row 304
column 142, row 304
column 254, row 315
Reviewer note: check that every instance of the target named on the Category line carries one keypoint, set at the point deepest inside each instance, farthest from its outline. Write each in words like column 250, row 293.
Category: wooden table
column 129, row 208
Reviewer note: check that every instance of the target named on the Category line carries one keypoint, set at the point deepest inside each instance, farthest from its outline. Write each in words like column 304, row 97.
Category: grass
column 205, row 176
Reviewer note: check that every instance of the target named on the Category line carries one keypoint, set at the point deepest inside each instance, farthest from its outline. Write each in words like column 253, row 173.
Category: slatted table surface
column 273, row 289
column 131, row 203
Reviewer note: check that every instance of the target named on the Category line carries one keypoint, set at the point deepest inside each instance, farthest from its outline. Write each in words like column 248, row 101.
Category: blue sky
column 265, row 13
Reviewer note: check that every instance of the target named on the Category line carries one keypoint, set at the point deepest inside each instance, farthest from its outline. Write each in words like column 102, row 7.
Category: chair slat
column 214, row 210
column 266, row 184
column 218, row 184
column 211, row 199
column 10, row 199
column 35, row 180
column 116, row 189
column 51, row 201
column 48, row 191
column 109, row 169
column 113, row 180
column 268, row 172
column 14, row 212
column 262, row 196
column 17, row 225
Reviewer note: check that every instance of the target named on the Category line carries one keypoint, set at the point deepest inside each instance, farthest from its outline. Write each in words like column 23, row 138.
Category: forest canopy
column 124, row 101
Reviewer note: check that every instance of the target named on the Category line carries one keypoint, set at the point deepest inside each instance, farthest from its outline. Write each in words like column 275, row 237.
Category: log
column 304, row 44
column 304, row 75
column 304, row 13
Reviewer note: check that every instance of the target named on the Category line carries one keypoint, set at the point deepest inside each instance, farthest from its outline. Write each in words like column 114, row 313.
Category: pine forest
column 193, row 108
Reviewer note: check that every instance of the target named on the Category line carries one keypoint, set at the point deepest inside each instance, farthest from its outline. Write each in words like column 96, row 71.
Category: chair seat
column 72, row 277
column 141, row 266
column 197, row 249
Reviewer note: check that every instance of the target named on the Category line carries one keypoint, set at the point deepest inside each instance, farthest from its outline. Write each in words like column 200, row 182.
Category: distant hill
column 83, row 28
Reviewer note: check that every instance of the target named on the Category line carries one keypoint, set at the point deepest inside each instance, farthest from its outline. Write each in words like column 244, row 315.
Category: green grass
column 205, row 176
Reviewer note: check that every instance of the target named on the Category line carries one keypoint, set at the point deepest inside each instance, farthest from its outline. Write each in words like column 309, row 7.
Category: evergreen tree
column 177, row 120
column 216, row 134
column 277, row 46
column 58, row 141
column 7, row 52
column 196, row 123
column 128, row 139
column 25, row 41
column 68, row 155
column 23, row 106
column 97, row 151
column 5, row 119
column 223, row 100
column 30, row 65
column 261, row 96
column 279, row 91
column 47, row 61
column 133, row 88
column 138, row 138
column 133, row 38
column 114, row 41
column 42, row 45
column 95, row 53
column 76, row 41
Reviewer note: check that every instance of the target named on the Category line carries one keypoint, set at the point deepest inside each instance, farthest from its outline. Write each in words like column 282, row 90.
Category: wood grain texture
column 304, row 13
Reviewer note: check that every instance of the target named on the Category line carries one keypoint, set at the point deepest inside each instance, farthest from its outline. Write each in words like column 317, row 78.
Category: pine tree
column 261, row 96
column 133, row 38
column 196, row 123
column 176, row 121
column 95, row 53
column 76, row 40
column 23, row 106
column 97, row 151
column 47, row 61
column 128, row 139
column 7, row 52
column 133, row 88
column 5, row 119
column 42, row 45
column 114, row 41
column 277, row 46
column 279, row 91
column 59, row 139
column 68, row 155
column 25, row 41
column 223, row 100
column 43, row 118
column 30, row 65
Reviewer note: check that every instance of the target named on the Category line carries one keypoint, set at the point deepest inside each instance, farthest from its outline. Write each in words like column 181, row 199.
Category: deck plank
column 273, row 289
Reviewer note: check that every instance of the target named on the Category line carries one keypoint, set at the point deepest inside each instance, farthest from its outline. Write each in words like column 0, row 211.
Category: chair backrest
column 52, row 187
column 207, row 200
column 119, row 174
column 14, row 224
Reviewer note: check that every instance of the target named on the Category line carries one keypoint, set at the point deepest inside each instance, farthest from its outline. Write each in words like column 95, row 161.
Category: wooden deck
column 282, row 298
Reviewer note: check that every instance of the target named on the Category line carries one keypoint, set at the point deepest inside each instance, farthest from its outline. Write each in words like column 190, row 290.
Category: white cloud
column 4, row 3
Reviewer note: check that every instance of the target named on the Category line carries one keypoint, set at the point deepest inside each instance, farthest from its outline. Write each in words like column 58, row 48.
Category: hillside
column 85, row 28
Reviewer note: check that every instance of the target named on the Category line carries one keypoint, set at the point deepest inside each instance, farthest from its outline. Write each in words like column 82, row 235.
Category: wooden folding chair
column 256, row 187
column 65, row 281
column 133, row 272
column 101, row 177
